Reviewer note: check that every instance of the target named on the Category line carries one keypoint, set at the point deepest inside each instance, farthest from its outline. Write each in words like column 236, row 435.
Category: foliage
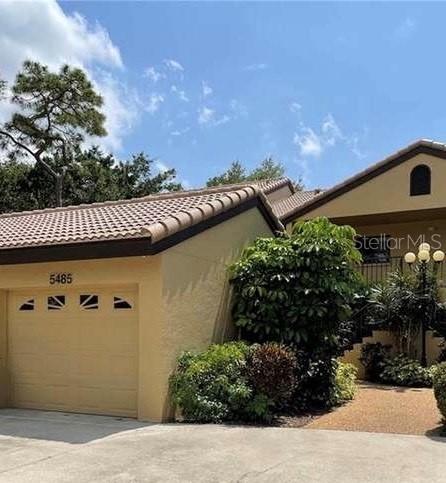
column 92, row 177
column 271, row 371
column 54, row 114
column 237, row 173
column 402, row 371
column 297, row 290
column 210, row 386
column 345, row 383
column 439, row 385
column 373, row 358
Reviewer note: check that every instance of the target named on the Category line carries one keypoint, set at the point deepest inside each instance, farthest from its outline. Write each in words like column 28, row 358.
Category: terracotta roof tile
column 285, row 206
column 154, row 217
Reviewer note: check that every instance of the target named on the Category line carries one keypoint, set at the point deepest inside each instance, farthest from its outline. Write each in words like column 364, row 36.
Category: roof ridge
column 153, row 197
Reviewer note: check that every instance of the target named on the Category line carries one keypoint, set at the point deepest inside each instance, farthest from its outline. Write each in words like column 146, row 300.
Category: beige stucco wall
column 432, row 348
column 144, row 272
column 389, row 192
column 183, row 300
column 196, row 291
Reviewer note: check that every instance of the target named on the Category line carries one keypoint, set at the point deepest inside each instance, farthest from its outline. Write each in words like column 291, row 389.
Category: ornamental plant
column 439, row 384
column 297, row 290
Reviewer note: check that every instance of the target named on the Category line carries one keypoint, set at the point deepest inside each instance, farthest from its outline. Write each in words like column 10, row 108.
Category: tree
column 55, row 112
column 237, row 173
column 92, row 176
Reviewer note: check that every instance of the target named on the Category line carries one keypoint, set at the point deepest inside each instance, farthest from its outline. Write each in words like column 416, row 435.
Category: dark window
column 28, row 305
column 374, row 249
column 119, row 303
column 420, row 180
column 56, row 302
column 89, row 302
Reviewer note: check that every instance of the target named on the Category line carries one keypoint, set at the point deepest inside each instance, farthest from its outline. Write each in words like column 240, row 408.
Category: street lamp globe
column 424, row 246
column 410, row 257
column 424, row 256
column 438, row 256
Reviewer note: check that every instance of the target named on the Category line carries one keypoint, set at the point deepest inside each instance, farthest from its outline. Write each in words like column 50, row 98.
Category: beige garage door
column 74, row 350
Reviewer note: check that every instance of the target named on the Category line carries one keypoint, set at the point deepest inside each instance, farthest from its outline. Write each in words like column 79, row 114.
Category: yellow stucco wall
column 144, row 272
column 385, row 337
column 389, row 192
column 183, row 297
column 196, row 290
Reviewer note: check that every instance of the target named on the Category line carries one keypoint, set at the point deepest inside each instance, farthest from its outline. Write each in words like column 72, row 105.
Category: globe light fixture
column 410, row 257
column 438, row 256
column 424, row 246
column 424, row 256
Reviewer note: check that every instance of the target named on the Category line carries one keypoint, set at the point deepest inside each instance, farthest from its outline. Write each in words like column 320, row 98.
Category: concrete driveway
column 38, row 446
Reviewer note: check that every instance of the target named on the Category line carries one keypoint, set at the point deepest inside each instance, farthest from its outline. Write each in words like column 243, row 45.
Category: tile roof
column 283, row 207
column 154, row 217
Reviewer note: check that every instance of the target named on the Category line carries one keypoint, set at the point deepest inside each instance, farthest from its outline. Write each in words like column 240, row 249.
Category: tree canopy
column 237, row 173
column 54, row 114
column 91, row 177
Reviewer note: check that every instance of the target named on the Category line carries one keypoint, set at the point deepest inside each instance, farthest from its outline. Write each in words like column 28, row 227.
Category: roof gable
column 422, row 146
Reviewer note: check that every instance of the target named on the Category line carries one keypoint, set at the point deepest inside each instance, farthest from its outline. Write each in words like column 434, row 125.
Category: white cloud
column 405, row 29
column 154, row 102
column 314, row 142
column 208, row 116
column 181, row 94
column 238, row 109
column 161, row 167
column 205, row 115
column 153, row 74
column 180, row 132
column 41, row 31
column 295, row 107
column 206, row 89
column 254, row 67
column 173, row 65
column 309, row 143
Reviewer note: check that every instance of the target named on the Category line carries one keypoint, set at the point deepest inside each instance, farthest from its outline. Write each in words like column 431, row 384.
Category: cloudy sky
column 327, row 88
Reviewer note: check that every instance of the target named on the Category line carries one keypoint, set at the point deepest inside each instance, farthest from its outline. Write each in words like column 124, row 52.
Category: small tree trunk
column 59, row 189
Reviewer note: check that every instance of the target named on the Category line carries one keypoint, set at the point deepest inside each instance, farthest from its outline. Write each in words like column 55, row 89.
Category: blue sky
column 326, row 88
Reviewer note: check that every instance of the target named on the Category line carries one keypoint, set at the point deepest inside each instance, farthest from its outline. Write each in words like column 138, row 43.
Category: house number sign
column 61, row 278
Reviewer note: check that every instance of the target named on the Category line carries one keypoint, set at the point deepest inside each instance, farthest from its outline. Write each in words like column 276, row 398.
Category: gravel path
column 385, row 409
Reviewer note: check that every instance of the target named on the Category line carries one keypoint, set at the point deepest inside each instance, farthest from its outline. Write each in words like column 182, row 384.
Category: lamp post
column 424, row 257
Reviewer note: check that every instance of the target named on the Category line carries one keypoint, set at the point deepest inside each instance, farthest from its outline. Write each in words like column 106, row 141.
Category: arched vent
column 420, row 180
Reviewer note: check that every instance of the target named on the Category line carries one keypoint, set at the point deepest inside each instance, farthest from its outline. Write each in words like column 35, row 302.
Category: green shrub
column 439, row 384
column 373, row 357
column 271, row 371
column 345, row 383
column 211, row 386
column 402, row 371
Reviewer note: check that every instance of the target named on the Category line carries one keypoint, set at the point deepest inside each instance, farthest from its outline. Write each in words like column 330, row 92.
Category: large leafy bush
column 439, row 384
column 271, row 371
column 402, row 371
column 373, row 358
column 345, row 383
column 297, row 290
column 210, row 386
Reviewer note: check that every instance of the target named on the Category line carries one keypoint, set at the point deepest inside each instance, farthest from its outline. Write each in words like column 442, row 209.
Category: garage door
column 74, row 350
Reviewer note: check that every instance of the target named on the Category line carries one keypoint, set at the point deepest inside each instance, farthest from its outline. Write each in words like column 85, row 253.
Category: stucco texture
column 182, row 298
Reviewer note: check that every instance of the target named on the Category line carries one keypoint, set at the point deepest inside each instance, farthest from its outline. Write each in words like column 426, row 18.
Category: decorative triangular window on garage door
column 28, row 305
column 120, row 303
column 89, row 302
column 56, row 302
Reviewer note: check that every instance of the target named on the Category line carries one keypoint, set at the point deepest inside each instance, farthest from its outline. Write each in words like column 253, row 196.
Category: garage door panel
column 72, row 358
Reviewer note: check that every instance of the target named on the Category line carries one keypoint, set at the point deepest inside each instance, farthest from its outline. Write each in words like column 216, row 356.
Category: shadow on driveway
column 65, row 427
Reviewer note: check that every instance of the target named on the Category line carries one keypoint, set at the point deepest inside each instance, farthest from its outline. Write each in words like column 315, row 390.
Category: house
column 97, row 301
column 394, row 205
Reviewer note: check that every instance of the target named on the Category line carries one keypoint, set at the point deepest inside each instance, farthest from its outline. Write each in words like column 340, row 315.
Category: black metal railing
column 377, row 272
